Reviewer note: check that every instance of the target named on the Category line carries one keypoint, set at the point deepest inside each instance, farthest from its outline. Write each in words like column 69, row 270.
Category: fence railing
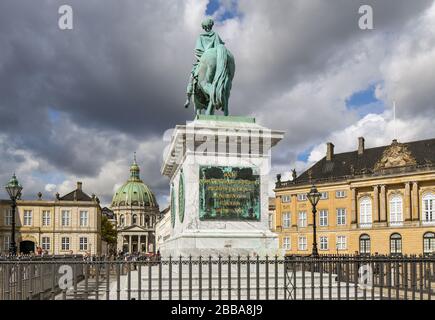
column 223, row 278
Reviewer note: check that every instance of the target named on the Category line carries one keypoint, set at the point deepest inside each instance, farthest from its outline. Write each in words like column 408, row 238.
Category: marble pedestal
column 218, row 141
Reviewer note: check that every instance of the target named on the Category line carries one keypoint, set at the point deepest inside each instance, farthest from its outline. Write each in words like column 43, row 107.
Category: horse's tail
column 222, row 79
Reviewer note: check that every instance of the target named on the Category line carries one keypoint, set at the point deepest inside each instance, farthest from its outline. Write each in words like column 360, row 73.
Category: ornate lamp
column 14, row 190
column 314, row 197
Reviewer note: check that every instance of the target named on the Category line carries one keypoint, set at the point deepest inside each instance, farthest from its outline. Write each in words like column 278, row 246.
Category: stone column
column 376, row 212
column 146, row 242
column 383, row 204
column 129, row 244
column 415, row 201
column 139, row 247
column 407, row 202
column 354, row 214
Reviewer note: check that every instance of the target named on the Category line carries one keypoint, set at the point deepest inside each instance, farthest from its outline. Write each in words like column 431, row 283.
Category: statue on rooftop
column 212, row 73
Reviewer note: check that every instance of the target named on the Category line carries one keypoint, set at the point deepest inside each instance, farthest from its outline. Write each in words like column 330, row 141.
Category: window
column 323, row 195
column 65, row 243
column 134, row 220
column 83, row 244
column 286, row 244
column 8, row 217
column 396, row 210
column 46, row 219
column 302, row 197
column 341, row 217
column 323, row 218
column 285, row 198
column 323, row 243
column 302, row 219
column 286, row 220
column 270, row 221
column 428, row 209
column 302, row 243
column 27, row 218
column 6, row 242
column 341, row 243
column 364, row 244
column 340, row 194
column 429, row 242
column 121, row 220
column 395, row 243
column 365, row 211
column 66, row 218
column 83, row 218
column 45, row 243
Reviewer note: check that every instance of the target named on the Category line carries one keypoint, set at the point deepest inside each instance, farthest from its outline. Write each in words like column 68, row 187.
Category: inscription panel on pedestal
column 229, row 193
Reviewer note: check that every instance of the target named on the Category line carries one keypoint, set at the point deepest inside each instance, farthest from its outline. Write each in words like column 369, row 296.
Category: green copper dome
column 134, row 192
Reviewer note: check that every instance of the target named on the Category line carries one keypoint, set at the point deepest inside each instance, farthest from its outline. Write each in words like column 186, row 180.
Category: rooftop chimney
column 79, row 185
column 361, row 145
column 329, row 151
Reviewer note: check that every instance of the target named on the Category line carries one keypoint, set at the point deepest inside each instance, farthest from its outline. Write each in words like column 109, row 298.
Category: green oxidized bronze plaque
column 181, row 197
column 173, row 209
column 229, row 193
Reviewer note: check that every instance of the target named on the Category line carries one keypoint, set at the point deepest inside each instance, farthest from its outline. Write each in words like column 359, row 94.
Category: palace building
column 70, row 224
column 136, row 212
column 373, row 200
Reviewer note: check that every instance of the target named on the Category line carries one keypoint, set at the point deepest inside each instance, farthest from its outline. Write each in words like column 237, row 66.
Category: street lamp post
column 314, row 197
column 14, row 190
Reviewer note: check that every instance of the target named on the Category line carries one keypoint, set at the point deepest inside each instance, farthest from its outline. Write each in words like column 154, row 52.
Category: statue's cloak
column 206, row 41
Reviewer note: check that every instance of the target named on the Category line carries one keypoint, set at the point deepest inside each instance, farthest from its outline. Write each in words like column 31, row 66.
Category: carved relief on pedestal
column 396, row 155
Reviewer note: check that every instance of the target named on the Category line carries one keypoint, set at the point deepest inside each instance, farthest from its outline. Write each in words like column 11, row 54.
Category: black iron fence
column 229, row 278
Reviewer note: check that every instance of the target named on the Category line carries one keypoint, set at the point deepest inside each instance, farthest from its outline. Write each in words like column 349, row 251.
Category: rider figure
column 207, row 40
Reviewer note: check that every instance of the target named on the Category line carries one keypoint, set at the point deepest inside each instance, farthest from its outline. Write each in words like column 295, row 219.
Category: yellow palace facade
column 378, row 200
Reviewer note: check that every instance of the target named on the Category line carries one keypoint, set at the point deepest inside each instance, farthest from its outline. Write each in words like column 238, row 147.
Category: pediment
column 132, row 229
column 396, row 155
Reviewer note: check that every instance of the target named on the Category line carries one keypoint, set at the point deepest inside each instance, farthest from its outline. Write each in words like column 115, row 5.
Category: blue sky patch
column 230, row 11
column 363, row 97
column 365, row 102
column 303, row 156
column 53, row 115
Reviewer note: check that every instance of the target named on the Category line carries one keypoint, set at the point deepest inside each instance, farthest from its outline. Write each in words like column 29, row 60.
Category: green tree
column 108, row 233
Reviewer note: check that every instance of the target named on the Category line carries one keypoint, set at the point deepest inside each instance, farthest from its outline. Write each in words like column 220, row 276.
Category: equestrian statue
column 212, row 73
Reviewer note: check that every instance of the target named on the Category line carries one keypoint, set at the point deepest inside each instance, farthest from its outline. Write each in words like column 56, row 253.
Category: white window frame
column 302, row 243
column 341, row 242
column 323, row 218
column 339, row 194
column 286, row 198
column 46, row 218
column 286, row 243
column 429, row 242
column 83, row 243
column 65, row 218
column 84, row 218
column 302, row 219
column 396, row 210
column 6, row 242
column 286, row 220
column 324, row 195
column 324, row 243
column 65, row 243
column 428, row 209
column 341, row 216
column 8, row 216
column 27, row 218
column 302, row 197
column 365, row 212
column 271, row 221
column 45, row 243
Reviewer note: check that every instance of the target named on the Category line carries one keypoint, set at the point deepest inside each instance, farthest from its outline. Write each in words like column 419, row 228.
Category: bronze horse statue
column 211, row 78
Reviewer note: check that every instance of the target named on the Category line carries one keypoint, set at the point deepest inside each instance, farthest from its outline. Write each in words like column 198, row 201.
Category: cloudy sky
column 76, row 104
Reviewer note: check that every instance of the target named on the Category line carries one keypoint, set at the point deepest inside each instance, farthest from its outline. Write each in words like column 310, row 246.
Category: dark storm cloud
column 118, row 79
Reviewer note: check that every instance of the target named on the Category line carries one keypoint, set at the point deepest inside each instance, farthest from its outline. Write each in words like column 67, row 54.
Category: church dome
column 134, row 192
